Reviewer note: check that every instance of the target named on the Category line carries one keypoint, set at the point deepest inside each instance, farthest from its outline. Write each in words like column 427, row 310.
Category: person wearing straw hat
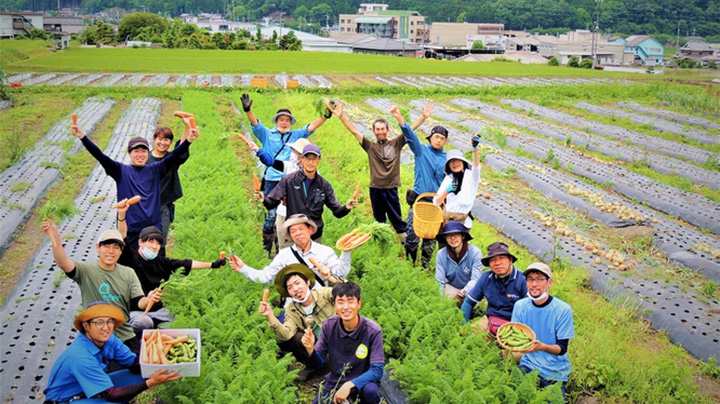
column 286, row 167
column 274, row 141
column 309, row 308
column 459, row 187
column 429, row 173
column 384, row 158
column 106, row 279
column 79, row 374
column 307, row 192
column 458, row 265
column 503, row 285
column 300, row 228
column 552, row 321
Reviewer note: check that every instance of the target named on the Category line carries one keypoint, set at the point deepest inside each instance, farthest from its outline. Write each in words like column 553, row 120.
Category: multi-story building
column 375, row 19
column 19, row 24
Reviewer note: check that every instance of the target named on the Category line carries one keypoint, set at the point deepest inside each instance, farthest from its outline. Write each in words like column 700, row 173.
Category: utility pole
column 596, row 34
column 677, row 39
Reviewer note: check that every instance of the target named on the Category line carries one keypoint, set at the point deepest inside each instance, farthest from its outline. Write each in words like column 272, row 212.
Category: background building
column 375, row 19
column 19, row 24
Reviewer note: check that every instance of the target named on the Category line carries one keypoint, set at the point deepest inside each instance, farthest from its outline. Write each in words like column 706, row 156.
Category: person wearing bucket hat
column 139, row 177
column 79, row 373
column 384, row 158
column 458, row 265
column 307, row 192
column 275, row 142
column 309, row 308
column 503, row 285
column 152, row 269
column 429, row 163
column 458, row 189
column 105, row 280
column 552, row 321
column 300, row 228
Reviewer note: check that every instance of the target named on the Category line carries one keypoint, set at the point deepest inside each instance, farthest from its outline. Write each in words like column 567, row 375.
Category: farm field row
column 419, row 325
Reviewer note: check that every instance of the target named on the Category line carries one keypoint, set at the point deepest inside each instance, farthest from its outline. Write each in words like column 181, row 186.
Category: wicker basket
column 519, row 326
column 427, row 217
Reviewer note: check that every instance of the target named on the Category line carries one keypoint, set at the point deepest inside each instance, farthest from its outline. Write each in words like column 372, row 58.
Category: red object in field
column 74, row 119
column 15, row 84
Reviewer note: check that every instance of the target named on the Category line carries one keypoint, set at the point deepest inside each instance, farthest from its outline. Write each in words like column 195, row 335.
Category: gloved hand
column 452, row 187
column 220, row 262
column 246, row 102
column 476, row 140
column 328, row 115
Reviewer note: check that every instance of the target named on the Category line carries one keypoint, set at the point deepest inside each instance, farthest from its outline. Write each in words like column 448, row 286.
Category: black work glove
column 476, row 140
column 328, row 114
column 220, row 262
column 246, row 102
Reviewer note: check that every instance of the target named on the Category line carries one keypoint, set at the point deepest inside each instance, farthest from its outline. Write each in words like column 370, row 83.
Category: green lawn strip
column 28, row 120
column 20, row 50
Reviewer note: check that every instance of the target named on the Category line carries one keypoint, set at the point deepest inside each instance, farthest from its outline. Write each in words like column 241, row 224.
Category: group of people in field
column 319, row 322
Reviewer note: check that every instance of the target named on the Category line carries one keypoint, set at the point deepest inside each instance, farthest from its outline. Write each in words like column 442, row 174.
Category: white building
column 19, row 24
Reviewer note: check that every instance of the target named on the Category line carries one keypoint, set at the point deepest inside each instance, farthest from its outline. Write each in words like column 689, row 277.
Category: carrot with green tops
column 357, row 191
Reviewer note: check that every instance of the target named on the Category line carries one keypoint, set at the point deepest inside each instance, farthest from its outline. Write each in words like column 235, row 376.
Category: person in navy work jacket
column 79, row 374
column 353, row 347
column 138, row 178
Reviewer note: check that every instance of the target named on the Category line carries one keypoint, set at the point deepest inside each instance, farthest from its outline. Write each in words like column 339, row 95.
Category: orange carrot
column 74, row 119
column 314, row 262
column 222, row 254
column 243, row 138
column 192, row 122
column 149, row 306
column 165, row 337
column 266, row 294
column 181, row 114
column 179, row 340
column 132, row 201
column 357, row 191
column 257, row 182
column 145, row 357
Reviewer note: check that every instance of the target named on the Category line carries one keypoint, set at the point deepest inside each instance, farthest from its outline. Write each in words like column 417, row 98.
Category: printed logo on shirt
column 512, row 296
column 466, row 270
column 296, row 187
column 104, row 290
column 361, row 352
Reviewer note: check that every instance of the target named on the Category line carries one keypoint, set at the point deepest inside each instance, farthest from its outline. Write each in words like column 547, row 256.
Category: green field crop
column 263, row 62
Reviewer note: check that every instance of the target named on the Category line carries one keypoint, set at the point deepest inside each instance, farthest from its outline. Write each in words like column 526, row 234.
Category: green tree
column 477, row 45
column 553, row 61
column 462, row 17
column 319, row 12
column 301, row 12
column 573, row 62
column 290, row 42
column 132, row 25
column 37, row 33
column 586, row 63
column 88, row 35
column 105, row 33
column 239, row 12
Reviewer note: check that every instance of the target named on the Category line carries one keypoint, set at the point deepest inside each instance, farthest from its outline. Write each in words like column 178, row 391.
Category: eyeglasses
column 102, row 324
column 311, row 157
column 535, row 280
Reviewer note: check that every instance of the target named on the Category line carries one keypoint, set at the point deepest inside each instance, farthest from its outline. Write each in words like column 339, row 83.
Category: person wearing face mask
column 152, row 269
column 309, row 308
column 503, row 285
column 429, row 173
column 552, row 321
column 274, row 141
column 458, row 189
column 300, row 228
column 105, row 280
column 458, row 265
column 384, row 158
column 170, row 187
column 138, row 178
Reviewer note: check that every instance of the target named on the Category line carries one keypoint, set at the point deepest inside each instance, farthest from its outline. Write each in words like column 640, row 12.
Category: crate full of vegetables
column 170, row 349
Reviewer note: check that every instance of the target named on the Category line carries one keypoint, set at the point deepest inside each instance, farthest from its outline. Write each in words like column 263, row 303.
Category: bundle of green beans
column 183, row 352
column 514, row 338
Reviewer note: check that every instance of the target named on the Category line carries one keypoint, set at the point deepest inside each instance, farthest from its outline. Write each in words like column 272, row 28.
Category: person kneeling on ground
column 502, row 286
column 552, row 321
column 152, row 269
column 309, row 309
column 459, row 265
column 79, row 375
column 355, row 348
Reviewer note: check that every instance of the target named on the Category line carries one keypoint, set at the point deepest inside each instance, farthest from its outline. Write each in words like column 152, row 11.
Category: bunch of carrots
column 157, row 345
column 352, row 240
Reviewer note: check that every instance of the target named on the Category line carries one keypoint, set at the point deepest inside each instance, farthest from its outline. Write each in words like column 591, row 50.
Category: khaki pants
column 452, row 291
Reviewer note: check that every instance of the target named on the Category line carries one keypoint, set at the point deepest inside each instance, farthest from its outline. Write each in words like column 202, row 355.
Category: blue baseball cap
column 311, row 149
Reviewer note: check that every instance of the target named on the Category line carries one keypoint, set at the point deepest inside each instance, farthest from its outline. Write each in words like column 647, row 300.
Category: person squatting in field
column 274, row 141
column 384, row 159
column 458, row 265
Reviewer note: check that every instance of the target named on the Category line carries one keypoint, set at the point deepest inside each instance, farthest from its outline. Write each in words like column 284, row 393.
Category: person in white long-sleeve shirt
column 300, row 228
column 459, row 187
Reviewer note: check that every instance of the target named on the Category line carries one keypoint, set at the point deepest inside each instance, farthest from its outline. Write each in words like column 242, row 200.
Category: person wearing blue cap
column 80, row 373
column 458, row 265
column 275, row 142
column 458, row 189
column 307, row 192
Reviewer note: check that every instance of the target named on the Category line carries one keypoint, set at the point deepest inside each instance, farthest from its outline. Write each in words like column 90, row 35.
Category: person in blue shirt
column 458, row 265
column 429, row 173
column 502, row 286
column 552, row 321
column 353, row 347
column 79, row 374
column 139, row 178
column 275, row 142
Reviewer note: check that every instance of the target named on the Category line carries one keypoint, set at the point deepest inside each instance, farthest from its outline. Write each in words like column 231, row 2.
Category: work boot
column 307, row 374
column 268, row 240
column 425, row 258
column 411, row 255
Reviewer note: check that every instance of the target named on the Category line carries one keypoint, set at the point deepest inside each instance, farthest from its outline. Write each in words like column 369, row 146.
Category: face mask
column 541, row 297
column 307, row 296
column 149, row 255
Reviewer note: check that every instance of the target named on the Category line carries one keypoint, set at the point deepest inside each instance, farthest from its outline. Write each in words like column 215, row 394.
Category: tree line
column 691, row 17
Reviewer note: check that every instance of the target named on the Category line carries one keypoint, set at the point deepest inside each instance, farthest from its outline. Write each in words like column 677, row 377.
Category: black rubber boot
column 411, row 255
column 268, row 240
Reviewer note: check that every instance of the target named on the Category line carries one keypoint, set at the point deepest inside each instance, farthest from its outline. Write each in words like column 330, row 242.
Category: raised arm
column 61, row 258
column 122, row 208
column 427, row 111
column 247, row 105
column 338, row 112
column 112, row 167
